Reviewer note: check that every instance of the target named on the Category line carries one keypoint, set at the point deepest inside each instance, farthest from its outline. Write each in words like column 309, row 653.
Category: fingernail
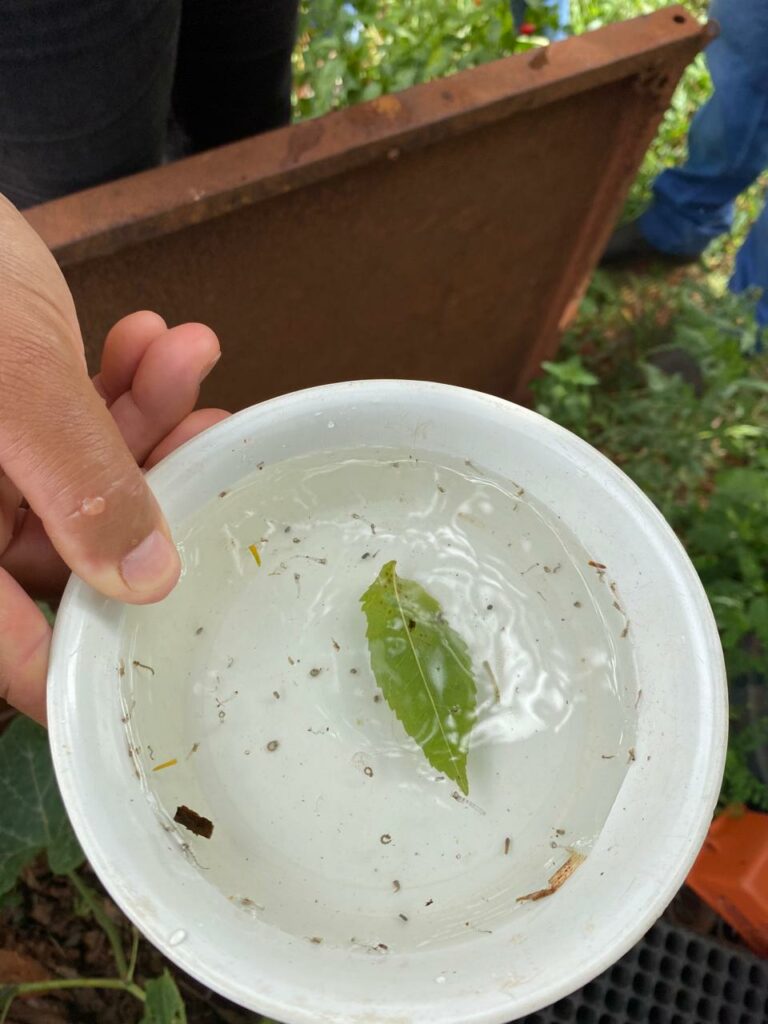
column 209, row 367
column 151, row 564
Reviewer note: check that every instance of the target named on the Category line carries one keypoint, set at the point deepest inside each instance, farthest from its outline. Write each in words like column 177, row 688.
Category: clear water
column 329, row 823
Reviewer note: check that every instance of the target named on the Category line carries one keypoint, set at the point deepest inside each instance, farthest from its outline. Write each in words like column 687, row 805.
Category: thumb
column 59, row 444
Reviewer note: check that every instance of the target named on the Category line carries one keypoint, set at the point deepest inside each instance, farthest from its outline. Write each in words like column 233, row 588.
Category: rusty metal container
column 444, row 232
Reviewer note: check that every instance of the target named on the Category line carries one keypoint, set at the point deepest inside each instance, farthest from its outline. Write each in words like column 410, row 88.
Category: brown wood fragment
column 193, row 821
column 562, row 875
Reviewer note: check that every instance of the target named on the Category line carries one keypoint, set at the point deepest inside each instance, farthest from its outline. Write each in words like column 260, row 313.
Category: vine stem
column 95, row 907
column 134, row 953
column 31, row 987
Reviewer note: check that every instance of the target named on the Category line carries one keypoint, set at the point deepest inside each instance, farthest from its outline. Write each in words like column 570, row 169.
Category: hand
column 72, row 492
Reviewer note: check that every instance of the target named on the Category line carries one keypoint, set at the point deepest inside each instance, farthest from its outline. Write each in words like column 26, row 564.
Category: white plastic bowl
column 548, row 948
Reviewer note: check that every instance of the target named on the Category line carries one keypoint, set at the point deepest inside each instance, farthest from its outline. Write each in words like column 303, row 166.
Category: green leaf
column 32, row 815
column 423, row 668
column 164, row 1005
column 10, row 899
column 7, row 995
column 758, row 616
column 571, row 371
column 747, row 486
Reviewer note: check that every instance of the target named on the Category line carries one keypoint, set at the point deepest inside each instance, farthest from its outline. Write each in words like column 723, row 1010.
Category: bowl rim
column 711, row 721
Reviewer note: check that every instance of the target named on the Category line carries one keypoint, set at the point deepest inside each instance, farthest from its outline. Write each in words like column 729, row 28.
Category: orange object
column 731, row 874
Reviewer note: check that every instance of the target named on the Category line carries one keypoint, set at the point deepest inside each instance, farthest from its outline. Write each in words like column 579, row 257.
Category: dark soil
column 45, row 935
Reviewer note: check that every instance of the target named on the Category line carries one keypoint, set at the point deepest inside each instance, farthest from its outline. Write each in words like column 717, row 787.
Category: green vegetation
column 703, row 459
column 656, row 372
column 34, row 821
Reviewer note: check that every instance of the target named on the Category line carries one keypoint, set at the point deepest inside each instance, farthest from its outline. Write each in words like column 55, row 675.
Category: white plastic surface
column 544, row 949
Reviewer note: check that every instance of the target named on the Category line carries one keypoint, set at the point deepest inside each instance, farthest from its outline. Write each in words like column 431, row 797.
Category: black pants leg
column 86, row 85
column 233, row 73
column 85, row 91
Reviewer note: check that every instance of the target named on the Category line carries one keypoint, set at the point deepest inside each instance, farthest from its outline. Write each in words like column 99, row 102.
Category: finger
column 58, row 442
column 33, row 284
column 9, row 502
column 124, row 348
column 65, row 453
column 165, row 386
column 193, row 425
column 25, row 639
column 32, row 560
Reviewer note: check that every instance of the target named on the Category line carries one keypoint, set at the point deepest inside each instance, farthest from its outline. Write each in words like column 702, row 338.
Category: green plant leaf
column 571, row 371
column 32, row 815
column 7, row 995
column 423, row 668
column 164, row 1005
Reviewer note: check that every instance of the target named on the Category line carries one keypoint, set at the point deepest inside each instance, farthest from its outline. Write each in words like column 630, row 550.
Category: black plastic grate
column 672, row 976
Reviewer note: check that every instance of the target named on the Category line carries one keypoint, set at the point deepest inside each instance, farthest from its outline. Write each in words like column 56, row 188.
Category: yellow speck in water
column 165, row 764
column 255, row 552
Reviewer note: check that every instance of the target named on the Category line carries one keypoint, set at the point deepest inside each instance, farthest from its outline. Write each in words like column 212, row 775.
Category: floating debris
column 165, row 764
column 492, row 677
column 560, row 876
column 193, row 821
column 464, row 800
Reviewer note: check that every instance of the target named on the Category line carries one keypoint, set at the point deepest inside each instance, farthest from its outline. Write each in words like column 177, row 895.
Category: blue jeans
column 563, row 8
column 727, row 150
